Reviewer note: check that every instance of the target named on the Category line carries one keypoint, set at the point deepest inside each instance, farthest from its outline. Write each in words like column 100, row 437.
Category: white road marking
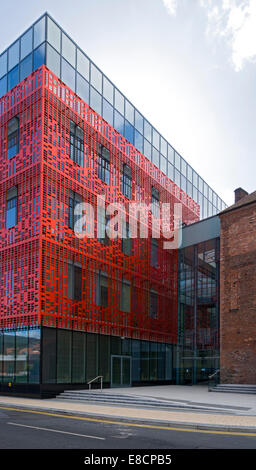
column 56, row 430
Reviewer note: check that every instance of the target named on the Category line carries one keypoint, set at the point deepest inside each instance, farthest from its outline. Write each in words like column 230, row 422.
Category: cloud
column 235, row 22
column 171, row 6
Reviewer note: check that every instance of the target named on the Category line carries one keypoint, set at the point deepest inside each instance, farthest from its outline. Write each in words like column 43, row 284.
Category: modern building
column 75, row 308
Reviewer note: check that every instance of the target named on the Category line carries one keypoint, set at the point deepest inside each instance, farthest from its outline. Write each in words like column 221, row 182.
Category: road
column 44, row 430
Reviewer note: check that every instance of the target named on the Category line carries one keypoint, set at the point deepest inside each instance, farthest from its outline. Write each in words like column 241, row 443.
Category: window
column 74, row 280
column 102, row 221
column 126, row 240
column 125, row 296
column 155, row 202
column 76, row 151
column 74, row 199
column 13, row 137
column 127, row 181
column 104, row 164
column 12, row 207
column 102, row 289
column 153, row 304
column 154, row 253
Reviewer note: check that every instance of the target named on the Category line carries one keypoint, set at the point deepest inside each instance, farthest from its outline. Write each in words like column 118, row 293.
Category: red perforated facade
column 36, row 252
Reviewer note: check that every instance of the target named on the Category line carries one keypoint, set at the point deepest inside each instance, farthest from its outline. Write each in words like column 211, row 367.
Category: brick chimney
column 239, row 194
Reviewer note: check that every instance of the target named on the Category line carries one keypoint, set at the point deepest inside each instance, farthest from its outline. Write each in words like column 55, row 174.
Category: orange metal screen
column 35, row 254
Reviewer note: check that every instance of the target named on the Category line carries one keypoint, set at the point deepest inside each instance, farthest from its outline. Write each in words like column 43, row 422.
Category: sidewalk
column 192, row 420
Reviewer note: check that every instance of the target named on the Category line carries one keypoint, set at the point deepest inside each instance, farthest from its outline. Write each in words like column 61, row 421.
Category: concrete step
column 234, row 388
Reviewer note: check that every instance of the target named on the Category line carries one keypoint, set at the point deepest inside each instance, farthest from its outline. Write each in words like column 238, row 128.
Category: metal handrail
column 93, row 380
column 212, row 375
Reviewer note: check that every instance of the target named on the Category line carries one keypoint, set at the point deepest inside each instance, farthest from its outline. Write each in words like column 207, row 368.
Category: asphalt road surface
column 28, row 430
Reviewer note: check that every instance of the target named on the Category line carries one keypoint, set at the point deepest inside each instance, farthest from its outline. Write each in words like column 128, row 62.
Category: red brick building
column 238, row 290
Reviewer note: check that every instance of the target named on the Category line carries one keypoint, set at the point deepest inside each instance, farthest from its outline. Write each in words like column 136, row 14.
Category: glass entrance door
column 120, row 371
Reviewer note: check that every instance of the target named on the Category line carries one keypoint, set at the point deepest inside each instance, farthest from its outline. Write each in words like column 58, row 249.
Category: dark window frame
column 153, row 304
column 11, row 202
column 13, row 137
column 76, row 143
column 155, row 207
column 104, row 164
column 127, row 181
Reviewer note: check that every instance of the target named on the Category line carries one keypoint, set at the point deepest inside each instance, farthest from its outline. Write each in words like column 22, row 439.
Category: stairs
column 233, row 388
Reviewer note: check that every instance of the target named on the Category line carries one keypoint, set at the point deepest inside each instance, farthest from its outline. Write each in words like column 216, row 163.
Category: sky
column 188, row 65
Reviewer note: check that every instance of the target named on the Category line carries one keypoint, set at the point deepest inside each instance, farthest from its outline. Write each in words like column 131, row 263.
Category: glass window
column 83, row 64
column 108, row 90
column 153, row 304
column 183, row 167
column 200, row 185
column 12, row 207
column 177, row 161
column 183, row 183
column 39, row 32
column 135, row 360
column 26, row 44
column 68, row 50
column 13, row 137
column 3, row 86
column 9, row 354
column 125, row 296
column 195, row 194
column 155, row 157
column 138, row 121
column 129, row 132
column 118, row 122
column 148, row 131
column 96, row 78
column 163, row 147
column 108, row 112
column 63, row 356
column 144, row 363
column 126, row 240
column 21, row 356
column 3, row 64
column 214, row 199
column 147, row 149
column 68, row 74
column 82, row 88
column 189, row 188
column 156, row 139
column 154, row 253
column 13, row 55
column 53, row 60
column 171, row 171
column 34, row 336
column 53, row 34
column 13, row 77
column 73, row 200
column 138, row 141
column 155, row 209
column 26, row 67
column 76, row 148
column 206, row 190
column 74, row 281
column 177, row 177
column 39, row 56
column 195, row 179
column 129, row 112
column 78, row 357
column 189, row 173
column 95, row 100
column 163, row 164
column 104, row 164
column 170, row 154
column 102, row 227
column 49, row 355
column 153, row 361
column 102, row 290
column 127, row 181
column 119, row 101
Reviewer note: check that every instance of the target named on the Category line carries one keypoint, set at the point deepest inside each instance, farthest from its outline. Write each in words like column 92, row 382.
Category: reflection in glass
column 83, row 64
column 82, row 88
column 9, row 357
column 34, row 355
column 26, row 67
column 108, row 90
column 26, row 44
column 3, row 64
column 129, row 112
column 95, row 100
column 119, row 101
column 138, row 141
column 39, row 32
column 156, row 139
column 39, row 56
column 21, row 356
column 13, row 55
column 147, row 149
column 53, row 34
column 148, row 131
column 107, row 112
column 63, row 356
column 119, row 122
column 138, row 121
column 129, row 132
column 68, row 50
column 13, row 77
column 53, row 60
column 96, row 78
column 68, row 74
column 3, row 86
column 155, row 157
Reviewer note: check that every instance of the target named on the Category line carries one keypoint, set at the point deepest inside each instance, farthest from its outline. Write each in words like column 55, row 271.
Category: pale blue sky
column 188, row 65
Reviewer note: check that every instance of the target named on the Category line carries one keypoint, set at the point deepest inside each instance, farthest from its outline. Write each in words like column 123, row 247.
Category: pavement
column 238, row 415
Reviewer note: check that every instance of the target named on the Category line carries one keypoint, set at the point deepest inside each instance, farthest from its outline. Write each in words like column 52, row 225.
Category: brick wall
column 238, row 296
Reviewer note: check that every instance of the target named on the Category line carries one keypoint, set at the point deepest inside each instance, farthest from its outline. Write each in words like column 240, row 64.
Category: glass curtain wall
column 198, row 312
